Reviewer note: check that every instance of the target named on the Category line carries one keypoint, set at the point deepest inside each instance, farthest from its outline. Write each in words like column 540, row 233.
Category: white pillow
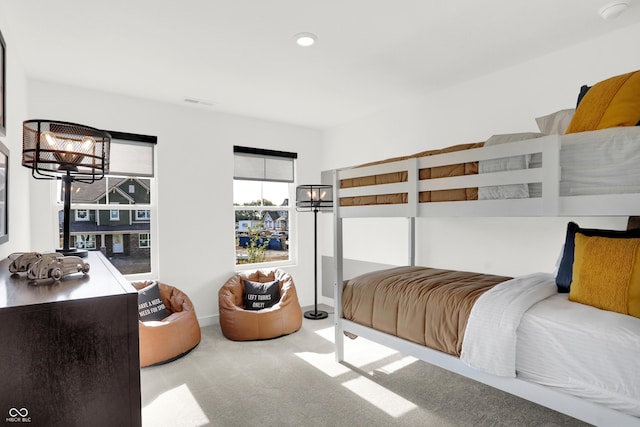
column 511, row 191
column 555, row 123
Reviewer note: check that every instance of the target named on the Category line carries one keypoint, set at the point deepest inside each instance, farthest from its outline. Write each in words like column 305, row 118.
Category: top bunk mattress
column 600, row 162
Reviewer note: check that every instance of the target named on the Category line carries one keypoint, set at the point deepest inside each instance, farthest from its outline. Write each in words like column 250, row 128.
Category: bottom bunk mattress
column 518, row 327
column 583, row 351
column 427, row 306
column 523, row 328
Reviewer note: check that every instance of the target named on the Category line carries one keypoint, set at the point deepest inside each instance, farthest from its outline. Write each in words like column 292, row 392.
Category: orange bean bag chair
column 174, row 336
column 240, row 324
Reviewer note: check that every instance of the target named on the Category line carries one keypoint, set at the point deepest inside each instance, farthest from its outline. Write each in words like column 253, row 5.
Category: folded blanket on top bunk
column 427, row 306
column 469, row 168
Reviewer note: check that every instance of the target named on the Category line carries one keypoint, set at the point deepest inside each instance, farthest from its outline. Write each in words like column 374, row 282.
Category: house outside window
column 263, row 186
column 105, row 210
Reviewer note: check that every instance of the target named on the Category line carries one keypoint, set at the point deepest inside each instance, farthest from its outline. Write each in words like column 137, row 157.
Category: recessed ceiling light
column 305, row 39
column 613, row 10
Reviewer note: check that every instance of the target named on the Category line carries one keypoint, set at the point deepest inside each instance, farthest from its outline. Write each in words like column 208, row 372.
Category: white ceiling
column 240, row 54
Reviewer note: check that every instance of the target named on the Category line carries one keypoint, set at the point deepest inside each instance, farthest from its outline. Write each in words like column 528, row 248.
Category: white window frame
column 113, row 217
column 255, row 164
column 292, row 231
column 57, row 206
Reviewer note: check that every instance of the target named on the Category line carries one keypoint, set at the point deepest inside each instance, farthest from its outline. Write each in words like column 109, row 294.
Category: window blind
column 132, row 154
column 263, row 165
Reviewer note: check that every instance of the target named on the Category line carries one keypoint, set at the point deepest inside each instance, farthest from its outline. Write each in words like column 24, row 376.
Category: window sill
column 265, row 265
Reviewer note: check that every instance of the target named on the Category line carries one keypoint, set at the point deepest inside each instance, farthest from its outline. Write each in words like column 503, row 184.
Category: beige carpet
column 294, row 381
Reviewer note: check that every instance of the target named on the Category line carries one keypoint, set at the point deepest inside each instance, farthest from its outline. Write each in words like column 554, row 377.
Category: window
column 105, row 209
column 85, row 241
column 263, row 186
column 82, row 215
column 143, row 215
column 144, row 240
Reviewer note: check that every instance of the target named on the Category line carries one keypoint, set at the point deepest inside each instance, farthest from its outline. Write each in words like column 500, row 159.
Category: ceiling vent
column 198, row 102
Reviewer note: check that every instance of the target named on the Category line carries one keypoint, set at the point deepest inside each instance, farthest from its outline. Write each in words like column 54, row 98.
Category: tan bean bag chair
column 238, row 324
column 171, row 338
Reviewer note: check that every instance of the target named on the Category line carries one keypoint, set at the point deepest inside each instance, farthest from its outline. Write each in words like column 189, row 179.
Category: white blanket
column 490, row 337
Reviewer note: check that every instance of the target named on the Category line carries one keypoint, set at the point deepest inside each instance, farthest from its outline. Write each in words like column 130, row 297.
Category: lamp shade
column 52, row 148
column 66, row 151
column 314, row 197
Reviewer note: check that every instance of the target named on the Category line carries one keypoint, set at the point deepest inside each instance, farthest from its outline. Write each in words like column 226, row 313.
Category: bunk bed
column 584, row 173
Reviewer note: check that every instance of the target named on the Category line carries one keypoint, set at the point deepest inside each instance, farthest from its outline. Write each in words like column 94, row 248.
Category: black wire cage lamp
column 314, row 198
column 69, row 152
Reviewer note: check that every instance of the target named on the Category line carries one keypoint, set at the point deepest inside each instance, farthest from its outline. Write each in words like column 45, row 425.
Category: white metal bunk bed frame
column 550, row 204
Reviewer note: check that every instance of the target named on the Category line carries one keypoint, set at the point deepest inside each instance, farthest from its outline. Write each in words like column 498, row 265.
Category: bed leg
column 338, row 272
column 339, row 343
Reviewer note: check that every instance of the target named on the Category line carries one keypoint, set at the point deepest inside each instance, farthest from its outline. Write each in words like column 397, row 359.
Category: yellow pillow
column 606, row 273
column 609, row 103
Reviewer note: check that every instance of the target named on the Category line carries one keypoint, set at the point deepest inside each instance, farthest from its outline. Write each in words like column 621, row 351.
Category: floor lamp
column 314, row 198
column 66, row 151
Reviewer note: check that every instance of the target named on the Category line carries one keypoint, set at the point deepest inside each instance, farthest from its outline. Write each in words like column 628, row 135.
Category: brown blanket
column 425, row 305
column 424, row 173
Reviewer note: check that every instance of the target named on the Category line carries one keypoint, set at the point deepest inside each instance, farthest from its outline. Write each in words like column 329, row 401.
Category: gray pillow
column 150, row 305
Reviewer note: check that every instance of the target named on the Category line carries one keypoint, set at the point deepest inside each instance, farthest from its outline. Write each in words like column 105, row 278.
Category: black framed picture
column 3, row 85
column 4, row 193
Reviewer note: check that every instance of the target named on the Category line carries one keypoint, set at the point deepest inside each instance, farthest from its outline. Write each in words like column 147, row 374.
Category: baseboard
column 213, row 319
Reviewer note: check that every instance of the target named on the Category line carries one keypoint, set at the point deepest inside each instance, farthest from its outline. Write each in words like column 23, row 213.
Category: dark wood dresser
column 69, row 351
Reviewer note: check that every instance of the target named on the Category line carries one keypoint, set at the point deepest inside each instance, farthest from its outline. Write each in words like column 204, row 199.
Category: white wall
column 197, row 255
column 16, row 112
column 503, row 102
column 194, row 180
